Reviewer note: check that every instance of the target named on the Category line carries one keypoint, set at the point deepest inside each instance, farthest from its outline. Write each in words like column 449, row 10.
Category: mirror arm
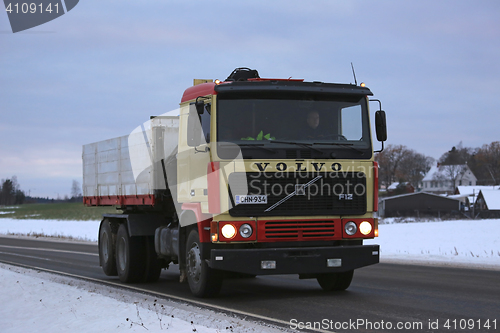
column 381, row 150
column 200, row 104
column 206, row 150
column 379, row 103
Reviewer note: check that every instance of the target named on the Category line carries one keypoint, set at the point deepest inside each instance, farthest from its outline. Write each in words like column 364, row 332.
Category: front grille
column 334, row 193
column 294, row 154
column 298, row 230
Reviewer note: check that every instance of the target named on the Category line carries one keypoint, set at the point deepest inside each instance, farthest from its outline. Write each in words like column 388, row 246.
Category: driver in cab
column 313, row 130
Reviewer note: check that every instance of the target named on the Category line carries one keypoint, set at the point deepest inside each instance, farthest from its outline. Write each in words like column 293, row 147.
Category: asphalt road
column 382, row 297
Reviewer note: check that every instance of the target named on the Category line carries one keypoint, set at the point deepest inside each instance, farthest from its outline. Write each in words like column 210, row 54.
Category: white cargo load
column 130, row 166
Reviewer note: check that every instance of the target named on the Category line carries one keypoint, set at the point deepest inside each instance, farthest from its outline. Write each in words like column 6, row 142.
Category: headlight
column 350, row 228
column 365, row 227
column 228, row 231
column 246, row 230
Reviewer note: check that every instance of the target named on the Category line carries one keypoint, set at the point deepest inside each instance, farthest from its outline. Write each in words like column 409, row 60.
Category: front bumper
column 308, row 260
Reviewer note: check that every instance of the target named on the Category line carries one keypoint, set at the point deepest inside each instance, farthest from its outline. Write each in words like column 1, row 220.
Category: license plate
column 251, row 199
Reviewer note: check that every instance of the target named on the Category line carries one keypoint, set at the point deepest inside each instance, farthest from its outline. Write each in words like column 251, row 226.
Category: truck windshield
column 305, row 127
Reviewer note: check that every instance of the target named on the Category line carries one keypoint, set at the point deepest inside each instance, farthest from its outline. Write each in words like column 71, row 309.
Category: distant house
column 475, row 189
column 400, row 188
column 488, row 204
column 444, row 179
column 468, row 194
column 419, row 204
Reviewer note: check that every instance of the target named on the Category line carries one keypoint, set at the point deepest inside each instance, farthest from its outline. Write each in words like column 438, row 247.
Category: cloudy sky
column 103, row 68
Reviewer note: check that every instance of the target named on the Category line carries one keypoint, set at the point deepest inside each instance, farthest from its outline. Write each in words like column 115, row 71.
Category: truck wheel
column 107, row 257
column 130, row 256
column 153, row 264
column 203, row 281
column 335, row 281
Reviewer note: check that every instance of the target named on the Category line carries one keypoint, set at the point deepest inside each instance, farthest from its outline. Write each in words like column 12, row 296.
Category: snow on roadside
column 81, row 230
column 466, row 243
column 43, row 302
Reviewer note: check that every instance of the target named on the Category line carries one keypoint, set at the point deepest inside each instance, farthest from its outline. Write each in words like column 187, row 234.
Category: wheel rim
column 121, row 253
column 194, row 263
column 104, row 246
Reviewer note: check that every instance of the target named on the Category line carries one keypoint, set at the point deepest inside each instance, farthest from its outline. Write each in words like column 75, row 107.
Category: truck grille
column 334, row 193
column 297, row 230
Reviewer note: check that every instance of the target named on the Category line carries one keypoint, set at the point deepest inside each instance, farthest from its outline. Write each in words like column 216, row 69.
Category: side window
column 351, row 122
column 205, row 123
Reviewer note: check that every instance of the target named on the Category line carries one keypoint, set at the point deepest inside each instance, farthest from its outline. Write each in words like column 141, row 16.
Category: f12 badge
column 345, row 197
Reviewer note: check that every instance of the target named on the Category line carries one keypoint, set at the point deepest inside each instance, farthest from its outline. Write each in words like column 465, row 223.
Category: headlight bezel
column 229, row 231
column 243, row 227
column 217, row 227
column 351, row 228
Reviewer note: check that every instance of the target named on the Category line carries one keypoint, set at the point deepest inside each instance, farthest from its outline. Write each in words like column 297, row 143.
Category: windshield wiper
column 258, row 145
column 347, row 145
column 302, row 144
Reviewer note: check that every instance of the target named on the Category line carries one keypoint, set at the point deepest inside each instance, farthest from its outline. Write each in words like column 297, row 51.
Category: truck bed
column 127, row 170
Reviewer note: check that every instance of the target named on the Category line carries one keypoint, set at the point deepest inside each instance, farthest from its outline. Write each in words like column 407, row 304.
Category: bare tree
column 456, row 156
column 76, row 192
column 398, row 163
column 10, row 192
column 389, row 161
column 414, row 166
column 453, row 165
column 7, row 196
column 485, row 164
column 451, row 174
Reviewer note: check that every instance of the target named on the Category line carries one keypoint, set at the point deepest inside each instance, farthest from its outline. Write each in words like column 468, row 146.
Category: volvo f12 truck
column 249, row 176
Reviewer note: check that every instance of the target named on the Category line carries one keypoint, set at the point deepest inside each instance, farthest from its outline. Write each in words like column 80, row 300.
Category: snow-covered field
column 461, row 243
column 80, row 306
column 81, row 230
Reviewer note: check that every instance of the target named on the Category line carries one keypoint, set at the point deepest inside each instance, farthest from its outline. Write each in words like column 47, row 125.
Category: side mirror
column 194, row 133
column 380, row 126
column 200, row 106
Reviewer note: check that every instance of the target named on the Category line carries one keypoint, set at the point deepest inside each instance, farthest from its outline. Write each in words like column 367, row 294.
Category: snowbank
column 466, row 243
column 43, row 302
column 81, row 230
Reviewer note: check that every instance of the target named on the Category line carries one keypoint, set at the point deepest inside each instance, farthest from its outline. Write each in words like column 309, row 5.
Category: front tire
column 203, row 281
column 130, row 256
column 107, row 256
column 335, row 281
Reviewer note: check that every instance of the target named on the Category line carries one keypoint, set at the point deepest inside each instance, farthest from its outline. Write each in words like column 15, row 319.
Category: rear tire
column 203, row 281
column 107, row 257
column 335, row 281
column 130, row 256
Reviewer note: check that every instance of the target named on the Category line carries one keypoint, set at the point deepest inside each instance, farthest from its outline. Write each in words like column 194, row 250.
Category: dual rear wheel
column 133, row 259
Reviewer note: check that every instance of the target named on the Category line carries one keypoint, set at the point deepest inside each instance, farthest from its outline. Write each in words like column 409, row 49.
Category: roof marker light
column 362, row 85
